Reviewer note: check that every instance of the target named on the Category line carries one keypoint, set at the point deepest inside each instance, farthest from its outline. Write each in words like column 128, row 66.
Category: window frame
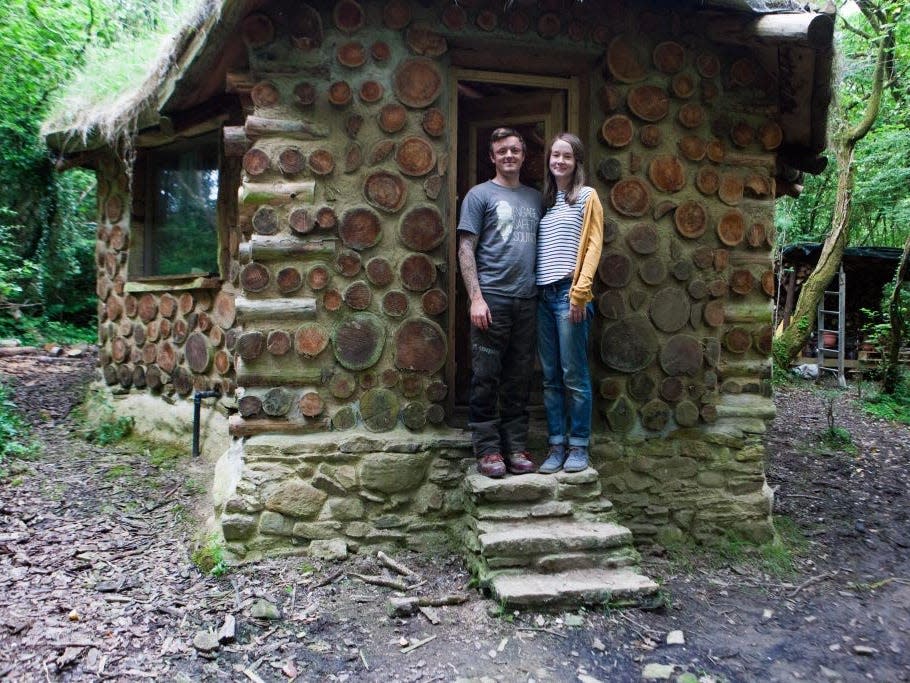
column 144, row 220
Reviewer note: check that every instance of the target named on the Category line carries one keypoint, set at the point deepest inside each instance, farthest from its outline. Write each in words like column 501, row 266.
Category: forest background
column 62, row 57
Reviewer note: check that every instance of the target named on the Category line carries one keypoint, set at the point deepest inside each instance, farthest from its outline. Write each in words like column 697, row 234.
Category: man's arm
column 480, row 312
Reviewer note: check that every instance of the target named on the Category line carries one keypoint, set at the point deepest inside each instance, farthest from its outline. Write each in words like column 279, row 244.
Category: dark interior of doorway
column 483, row 106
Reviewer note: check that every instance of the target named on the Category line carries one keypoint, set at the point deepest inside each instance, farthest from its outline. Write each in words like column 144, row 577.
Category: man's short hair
column 502, row 133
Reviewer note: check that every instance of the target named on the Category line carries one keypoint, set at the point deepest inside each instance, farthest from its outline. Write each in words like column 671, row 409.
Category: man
column 497, row 245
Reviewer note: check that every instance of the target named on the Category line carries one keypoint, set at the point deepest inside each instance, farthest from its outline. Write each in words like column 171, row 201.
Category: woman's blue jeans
column 563, row 349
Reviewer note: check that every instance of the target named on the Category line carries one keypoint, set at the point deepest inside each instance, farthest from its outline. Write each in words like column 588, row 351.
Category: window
column 180, row 233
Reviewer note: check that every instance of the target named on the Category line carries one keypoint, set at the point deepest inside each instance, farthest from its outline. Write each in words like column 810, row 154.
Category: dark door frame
column 572, row 85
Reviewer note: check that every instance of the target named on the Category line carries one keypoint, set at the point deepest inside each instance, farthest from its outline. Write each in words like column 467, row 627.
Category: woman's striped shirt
column 558, row 236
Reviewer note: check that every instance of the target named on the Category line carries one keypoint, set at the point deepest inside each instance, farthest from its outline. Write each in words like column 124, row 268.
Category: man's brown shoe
column 520, row 463
column 491, row 465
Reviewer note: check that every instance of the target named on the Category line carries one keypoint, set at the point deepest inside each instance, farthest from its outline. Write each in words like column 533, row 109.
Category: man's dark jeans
column 502, row 362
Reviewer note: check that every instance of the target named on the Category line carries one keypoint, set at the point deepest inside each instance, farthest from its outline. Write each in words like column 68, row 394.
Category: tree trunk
column 792, row 338
column 892, row 366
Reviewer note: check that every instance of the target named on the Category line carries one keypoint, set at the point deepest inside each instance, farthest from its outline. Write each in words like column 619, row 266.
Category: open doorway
column 538, row 107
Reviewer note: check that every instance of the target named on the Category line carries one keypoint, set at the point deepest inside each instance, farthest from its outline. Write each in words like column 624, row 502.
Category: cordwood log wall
column 339, row 261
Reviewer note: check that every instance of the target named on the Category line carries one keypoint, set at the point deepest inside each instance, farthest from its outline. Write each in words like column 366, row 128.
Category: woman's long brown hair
column 578, row 176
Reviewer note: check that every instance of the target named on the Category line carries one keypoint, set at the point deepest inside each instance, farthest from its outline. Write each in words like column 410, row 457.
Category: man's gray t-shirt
column 505, row 221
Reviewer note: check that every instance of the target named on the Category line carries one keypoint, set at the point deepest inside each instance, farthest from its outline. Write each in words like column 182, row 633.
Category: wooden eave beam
column 200, row 70
column 206, row 117
column 807, row 29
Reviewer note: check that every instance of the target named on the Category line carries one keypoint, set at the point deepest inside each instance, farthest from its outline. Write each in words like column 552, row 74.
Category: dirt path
column 96, row 580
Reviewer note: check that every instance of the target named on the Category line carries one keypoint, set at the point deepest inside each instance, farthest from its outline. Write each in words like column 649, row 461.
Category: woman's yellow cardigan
column 589, row 248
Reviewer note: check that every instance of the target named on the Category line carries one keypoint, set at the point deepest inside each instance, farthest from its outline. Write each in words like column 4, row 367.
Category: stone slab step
column 505, row 512
column 548, row 536
column 575, row 587
column 525, row 487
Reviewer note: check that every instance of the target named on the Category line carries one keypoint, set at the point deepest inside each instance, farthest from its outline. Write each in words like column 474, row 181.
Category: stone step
column 577, row 586
column 506, row 512
column 533, row 487
column 548, row 536
column 597, row 509
column 621, row 556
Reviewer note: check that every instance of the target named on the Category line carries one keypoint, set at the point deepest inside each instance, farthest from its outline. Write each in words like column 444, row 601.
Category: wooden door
column 538, row 114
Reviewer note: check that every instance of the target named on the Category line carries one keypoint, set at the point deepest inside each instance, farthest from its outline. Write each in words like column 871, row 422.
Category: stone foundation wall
column 697, row 484
column 280, row 492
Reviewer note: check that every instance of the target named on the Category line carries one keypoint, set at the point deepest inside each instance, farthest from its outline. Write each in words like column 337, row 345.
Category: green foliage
column 880, row 202
column 894, row 407
column 776, row 557
column 834, row 437
column 15, row 440
column 839, row 438
column 47, row 218
column 117, row 472
column 38, row 331
column 110, row 429
column 209, row 557
column 164, row 456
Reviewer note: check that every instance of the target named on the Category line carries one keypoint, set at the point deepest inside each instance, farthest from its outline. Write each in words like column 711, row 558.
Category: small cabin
column 282, row 231
column 861, row 282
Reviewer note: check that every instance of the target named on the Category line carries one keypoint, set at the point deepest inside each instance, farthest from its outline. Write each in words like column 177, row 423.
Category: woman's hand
column 577, row 313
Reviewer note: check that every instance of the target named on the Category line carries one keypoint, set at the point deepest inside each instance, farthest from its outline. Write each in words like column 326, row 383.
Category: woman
column 569, row 242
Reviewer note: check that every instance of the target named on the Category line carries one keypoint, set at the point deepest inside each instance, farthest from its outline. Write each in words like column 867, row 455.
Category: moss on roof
column 120, row 84
column 121, row 87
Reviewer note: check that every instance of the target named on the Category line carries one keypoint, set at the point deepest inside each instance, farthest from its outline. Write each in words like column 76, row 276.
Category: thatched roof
column 192, row 67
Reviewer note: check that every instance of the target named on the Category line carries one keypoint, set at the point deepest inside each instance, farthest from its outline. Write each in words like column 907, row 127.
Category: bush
column 14, row 434
column 894, row 407
column 209, row 557
column 109, row 430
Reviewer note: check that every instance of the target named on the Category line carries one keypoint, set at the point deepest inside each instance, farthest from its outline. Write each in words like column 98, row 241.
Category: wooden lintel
column 259, row 126
column 750, row 258
column 750, row 160
column 266, row 248
column 277, row 193
column 268, row 372
column 169, row 283
column 166, row 134
column 237, row 426
column 481, row 54
column 296, row 309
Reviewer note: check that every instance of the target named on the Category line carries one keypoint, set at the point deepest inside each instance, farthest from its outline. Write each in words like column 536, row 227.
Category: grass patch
column 110, row 429
column 15, row 438
column 193, row 487
column 209, row 557
column 776, row 557
column 162, row 455
column 893, row 407
column 839, row 439
column 117, row 472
